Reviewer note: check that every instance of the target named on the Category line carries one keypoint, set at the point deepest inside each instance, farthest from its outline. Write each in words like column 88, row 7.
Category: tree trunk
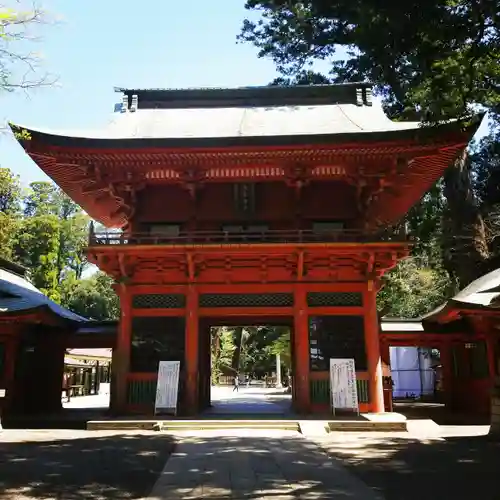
column 238, row 340
column 465, row 247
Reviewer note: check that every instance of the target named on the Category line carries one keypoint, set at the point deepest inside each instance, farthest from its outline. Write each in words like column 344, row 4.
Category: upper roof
column 263, row 96
column 214, row 134
column 178, row 117
column 18, row 295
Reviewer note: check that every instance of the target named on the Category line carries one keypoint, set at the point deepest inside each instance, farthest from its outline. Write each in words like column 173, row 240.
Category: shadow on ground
column 256, row 467
column 105, row 467
column 250, row 467
column 457, row 467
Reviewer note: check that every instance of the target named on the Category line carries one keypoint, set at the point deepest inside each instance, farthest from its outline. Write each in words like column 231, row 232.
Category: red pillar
column 191, row 352
column 372, row 343
column 301, row 345
column 121, row 355
column 490, row 349
column 445, row 355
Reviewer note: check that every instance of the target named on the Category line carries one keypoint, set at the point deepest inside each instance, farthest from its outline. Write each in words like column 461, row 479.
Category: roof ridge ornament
column 135, row 103
column 124, row 107
column 368, row 96
column 359, row 97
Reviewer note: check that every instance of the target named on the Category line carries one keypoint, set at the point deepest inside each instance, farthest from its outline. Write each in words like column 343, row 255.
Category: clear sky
column 97, row 45
column 94, row 46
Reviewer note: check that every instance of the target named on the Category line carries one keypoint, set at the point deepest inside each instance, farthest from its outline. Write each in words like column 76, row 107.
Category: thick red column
column 445, row 356
column 372, row 343
column 301, row 348
column 490, row 347
column 121, row 354
column 191, row 352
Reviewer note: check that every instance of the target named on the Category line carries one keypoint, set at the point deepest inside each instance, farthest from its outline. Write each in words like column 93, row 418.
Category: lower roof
column 18, row 296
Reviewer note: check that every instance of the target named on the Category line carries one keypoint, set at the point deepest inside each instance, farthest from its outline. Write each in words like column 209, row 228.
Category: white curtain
column 411, row 371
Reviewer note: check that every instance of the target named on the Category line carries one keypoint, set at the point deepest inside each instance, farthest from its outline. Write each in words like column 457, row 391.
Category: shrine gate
column 247, row 205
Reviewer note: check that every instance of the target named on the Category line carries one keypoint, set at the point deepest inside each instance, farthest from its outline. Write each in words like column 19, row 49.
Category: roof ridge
column 272, row 88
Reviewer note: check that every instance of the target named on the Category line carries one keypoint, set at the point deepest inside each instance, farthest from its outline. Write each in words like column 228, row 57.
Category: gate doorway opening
column 248, row 367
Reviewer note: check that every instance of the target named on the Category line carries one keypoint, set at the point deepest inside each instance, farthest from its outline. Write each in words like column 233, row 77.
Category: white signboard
column 167, row 387
column 344, row 393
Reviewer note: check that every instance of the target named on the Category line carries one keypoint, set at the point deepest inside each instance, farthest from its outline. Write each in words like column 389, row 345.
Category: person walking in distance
column 236, row 383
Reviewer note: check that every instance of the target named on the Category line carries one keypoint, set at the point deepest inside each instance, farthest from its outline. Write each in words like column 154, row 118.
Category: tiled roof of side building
column 17, row 295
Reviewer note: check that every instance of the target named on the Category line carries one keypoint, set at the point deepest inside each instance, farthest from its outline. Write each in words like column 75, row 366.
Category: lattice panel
column 156, row 339
column 246, row 300
column 334, row 299
column 159, row 301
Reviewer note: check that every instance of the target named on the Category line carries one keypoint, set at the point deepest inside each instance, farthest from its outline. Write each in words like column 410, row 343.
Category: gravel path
column 77, row 465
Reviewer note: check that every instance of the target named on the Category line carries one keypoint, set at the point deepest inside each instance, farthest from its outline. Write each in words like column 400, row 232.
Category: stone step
column 188, row 425
column 286, row 425
column 366, row 426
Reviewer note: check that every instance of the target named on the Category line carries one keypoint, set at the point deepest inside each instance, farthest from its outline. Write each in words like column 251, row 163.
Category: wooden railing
column 224, row 237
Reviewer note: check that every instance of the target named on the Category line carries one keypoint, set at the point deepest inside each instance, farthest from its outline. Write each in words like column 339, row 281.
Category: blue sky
column 96, row 45
column 92, row 47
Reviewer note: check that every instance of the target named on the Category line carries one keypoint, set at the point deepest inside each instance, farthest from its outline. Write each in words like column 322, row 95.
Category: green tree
column 45, row 201
column 37, row 248
column 19, row 67
column 429, row 61
column 92, row 297
column 10, row 206
column 222, row 348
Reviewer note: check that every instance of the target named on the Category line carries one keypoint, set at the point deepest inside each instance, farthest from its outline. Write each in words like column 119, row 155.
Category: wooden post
column 490, row 347
column 372, row 344
column 445, row 356
column 301, row 341
column 191, row 352
column 121, row 356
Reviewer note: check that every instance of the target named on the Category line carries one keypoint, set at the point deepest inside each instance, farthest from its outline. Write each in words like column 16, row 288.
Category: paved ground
column 463, row 463
column 250, row 400
column 100, row 401
column 457, row 462
column 255, row 465
column 77, row 465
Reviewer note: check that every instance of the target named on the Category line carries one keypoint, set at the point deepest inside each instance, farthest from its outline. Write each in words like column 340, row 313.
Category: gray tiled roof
column 18, row 294
column 230, row 122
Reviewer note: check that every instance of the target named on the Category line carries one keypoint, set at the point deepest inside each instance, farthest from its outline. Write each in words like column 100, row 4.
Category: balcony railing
column 223, row 237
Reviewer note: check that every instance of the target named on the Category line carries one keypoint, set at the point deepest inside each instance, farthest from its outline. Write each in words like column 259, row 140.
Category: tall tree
column 19, row 68
column 92, row 297
column 10, row 206
column 429, row 61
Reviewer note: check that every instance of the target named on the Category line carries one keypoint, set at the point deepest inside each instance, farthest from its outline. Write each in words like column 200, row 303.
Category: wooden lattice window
column 334, row 299
column 336, row 337
column 159, row 301
column 246, row 300
column 156, row 339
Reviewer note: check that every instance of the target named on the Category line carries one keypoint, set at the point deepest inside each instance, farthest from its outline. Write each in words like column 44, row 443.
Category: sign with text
column 167, row 387
column 344, row 393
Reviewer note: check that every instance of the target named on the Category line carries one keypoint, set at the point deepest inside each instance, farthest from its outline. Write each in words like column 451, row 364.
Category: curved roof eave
column 96, row 139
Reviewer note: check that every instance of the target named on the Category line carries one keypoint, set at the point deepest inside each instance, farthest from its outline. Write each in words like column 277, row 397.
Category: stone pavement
column 458, row 462
column 249, row 401
column 80, row 465
column 275, row 465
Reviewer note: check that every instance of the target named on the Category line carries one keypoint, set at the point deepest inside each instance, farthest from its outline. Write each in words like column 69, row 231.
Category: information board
column 344, row 393
column 167, row 387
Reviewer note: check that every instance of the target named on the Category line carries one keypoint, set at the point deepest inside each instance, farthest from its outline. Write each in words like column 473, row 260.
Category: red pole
column 191, row 351
column 301, row 341
column 372, row 344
